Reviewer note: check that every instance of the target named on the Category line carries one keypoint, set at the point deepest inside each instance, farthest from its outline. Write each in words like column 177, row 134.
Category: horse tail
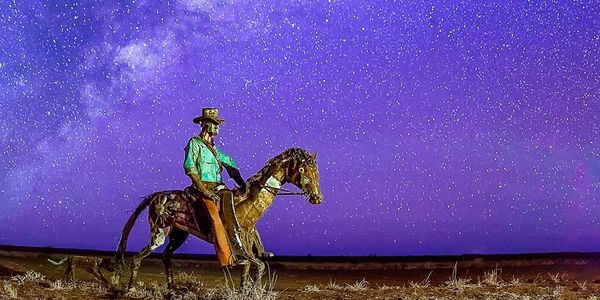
column 129, row 225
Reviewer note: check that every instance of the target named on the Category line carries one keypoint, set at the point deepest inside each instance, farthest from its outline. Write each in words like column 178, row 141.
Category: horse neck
column 260, row 199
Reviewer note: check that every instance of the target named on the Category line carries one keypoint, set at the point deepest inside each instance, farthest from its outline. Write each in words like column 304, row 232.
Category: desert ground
column 25, row 273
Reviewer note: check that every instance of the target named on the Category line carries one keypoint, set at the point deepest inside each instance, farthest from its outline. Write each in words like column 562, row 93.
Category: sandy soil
column 33, row 277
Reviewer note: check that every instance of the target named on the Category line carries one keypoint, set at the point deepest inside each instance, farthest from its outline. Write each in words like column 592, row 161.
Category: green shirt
column 200, row 160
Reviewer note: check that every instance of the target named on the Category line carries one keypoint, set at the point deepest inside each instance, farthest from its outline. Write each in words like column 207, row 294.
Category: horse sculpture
column 171, row 213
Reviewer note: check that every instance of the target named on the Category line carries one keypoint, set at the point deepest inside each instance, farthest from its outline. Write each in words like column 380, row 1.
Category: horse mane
column 293, row 153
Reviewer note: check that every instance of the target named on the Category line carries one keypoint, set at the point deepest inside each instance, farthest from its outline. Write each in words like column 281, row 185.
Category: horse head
column 303, row 172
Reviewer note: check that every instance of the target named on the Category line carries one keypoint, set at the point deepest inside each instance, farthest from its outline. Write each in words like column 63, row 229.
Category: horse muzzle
column 317, row 199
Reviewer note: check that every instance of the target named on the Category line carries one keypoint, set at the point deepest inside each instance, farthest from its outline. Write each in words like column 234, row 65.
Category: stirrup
column 240, row 262
column 267, row 254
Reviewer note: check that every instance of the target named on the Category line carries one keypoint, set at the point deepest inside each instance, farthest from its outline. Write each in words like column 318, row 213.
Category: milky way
column 441, row 127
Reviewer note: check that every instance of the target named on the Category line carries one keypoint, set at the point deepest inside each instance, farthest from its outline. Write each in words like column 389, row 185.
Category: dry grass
column 457, row 290
column 357, row 286
column 184, row 278
column 455, row 282
column 255, row 291
column 10, row 291
column 421, row 284
column 582, row 285
column 29, row 277
column 489, row 286
column 492, row 278
column 146, row 291
column 61, row 285
column 514, row 281
column 332, row 285
column 556, row 278
column 191, row 288
column 311, row 288
column 33, row 285
column 388, row 288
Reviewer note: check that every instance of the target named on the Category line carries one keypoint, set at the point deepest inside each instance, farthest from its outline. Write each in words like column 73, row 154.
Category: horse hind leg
column 95, row 270
column 176, row 239
column 157, row 239
column 260, row 271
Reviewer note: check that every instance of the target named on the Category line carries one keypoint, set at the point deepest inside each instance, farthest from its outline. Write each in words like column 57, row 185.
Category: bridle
column 277, row 191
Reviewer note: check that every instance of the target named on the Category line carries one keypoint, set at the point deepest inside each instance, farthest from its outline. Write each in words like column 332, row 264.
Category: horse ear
column 314, row 155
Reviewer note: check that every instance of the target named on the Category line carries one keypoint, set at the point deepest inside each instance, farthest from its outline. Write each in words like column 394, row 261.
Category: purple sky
column 442, row 127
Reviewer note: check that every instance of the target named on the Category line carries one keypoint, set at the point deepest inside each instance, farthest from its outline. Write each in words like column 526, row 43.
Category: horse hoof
column 268, row 254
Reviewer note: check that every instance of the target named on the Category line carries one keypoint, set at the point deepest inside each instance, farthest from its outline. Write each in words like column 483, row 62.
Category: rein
column 276, row 191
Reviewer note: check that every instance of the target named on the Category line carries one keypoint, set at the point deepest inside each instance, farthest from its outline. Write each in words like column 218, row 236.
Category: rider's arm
column 225, row 159
column 235, row 175
column 231, row 166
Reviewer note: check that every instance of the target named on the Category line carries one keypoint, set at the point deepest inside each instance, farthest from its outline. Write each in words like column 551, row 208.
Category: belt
column 214, row 186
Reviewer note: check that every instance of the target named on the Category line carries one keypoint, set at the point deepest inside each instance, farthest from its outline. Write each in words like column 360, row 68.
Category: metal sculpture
column 172, row 214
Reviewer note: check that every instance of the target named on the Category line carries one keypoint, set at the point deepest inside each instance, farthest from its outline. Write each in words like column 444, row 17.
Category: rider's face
column 212, row 128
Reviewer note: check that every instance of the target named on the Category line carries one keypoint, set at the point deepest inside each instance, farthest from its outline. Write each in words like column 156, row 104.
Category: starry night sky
column 441, row 127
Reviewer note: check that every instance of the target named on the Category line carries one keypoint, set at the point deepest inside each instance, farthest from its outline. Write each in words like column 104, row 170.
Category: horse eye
column 301, row 170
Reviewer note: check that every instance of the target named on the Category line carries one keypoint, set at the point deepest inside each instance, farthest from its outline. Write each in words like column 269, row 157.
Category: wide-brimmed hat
column 209, row 114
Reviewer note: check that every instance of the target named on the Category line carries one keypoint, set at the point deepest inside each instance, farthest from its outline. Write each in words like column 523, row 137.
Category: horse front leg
column 245, row 280
column 258, row 245
column 260, row 271
column 70, row 274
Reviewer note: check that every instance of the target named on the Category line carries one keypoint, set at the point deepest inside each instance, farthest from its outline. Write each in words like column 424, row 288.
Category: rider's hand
column 214, row 197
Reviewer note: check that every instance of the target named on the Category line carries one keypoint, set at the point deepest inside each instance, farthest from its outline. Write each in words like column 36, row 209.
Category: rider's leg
column 220, row 241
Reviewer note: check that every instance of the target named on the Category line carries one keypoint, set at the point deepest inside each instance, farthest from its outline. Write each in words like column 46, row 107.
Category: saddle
column 198, row 222
column 180, row 208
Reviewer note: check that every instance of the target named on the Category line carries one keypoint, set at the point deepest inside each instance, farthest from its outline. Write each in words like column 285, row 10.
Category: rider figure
column 203, row 164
